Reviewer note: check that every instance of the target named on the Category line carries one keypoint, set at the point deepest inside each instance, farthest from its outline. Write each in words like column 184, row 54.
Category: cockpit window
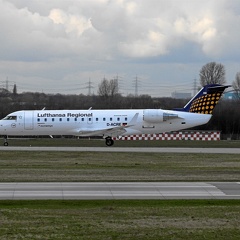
column 10, row 118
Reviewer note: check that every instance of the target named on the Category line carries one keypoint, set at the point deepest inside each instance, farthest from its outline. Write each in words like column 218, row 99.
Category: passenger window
column 38, row 119
column 104, row 119
column 96, row 119
column 118, row 119
column 110, row 119
column 52, row 119
column 45, row 119
column 125, row 118
column 68, row 119
column 60, row 119
column 82, row 119
column 75, row 119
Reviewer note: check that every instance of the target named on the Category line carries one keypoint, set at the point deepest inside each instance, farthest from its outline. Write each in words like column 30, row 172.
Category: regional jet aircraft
column 112, row 123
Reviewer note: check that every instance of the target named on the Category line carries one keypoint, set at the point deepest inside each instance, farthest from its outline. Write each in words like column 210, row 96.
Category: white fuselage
column 98, row 122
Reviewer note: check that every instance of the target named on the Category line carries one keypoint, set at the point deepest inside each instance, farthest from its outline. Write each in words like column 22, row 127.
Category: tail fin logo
column 205, row 104
column 205, row 100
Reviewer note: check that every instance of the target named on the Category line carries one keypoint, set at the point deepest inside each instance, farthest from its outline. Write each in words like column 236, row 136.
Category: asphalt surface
column 125, row 149
column 116, row 190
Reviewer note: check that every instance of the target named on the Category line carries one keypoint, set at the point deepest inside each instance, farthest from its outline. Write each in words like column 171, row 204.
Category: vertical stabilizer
column 205, row 100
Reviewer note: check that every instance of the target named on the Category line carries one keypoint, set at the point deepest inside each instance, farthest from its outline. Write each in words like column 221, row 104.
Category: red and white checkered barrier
column 204, row 136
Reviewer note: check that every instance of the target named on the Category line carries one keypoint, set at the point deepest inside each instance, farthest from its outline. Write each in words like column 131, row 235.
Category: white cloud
column 200, row 31
column 120, row 28
column 71, row 23
column 114, row 35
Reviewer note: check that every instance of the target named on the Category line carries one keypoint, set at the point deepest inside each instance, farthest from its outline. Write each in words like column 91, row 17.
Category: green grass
column 153, row 219
column 113, row 166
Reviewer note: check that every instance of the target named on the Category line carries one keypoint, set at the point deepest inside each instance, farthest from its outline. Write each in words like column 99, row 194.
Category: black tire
column 5, row 144
column 109, row 142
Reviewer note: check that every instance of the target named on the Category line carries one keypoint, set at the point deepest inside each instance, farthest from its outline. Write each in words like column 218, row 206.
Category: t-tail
column 205, row 100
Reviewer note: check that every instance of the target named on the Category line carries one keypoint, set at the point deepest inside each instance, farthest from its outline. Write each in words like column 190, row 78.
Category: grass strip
column 126, row 219
column 98, row 166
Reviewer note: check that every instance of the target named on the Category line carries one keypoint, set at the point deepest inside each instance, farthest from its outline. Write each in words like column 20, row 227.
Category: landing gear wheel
column 109, row 141
column 5, row 141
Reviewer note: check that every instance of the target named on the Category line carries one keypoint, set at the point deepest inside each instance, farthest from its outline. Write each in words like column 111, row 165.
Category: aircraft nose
column 2, row 128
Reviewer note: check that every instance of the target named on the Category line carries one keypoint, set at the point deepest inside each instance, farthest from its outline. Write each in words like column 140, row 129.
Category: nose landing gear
column 5, row 141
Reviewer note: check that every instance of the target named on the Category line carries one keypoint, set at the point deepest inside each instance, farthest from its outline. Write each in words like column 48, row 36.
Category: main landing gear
column 5, row 141
column 109, row 142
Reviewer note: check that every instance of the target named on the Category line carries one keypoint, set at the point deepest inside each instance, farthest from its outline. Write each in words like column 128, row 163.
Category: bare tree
column 113, row 87
column 236, row 85
column 103, row 88
column 212, row 73
column 108, row 88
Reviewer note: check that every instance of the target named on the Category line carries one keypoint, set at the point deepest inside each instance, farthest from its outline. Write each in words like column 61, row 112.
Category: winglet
column 205, row 100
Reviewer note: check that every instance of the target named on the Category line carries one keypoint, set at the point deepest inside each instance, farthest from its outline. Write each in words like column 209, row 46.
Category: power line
column 89, row 87
column 136, row 85
column 6, row 84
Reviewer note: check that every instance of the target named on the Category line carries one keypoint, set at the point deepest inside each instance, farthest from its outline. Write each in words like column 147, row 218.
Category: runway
column 116, row 190
column 125, row 149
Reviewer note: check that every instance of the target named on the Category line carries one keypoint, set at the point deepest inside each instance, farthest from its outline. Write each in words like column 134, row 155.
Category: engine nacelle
column 153, row 115
column 157, row 116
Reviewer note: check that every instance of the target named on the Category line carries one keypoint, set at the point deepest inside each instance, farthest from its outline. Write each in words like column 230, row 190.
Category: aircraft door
column 28, row 120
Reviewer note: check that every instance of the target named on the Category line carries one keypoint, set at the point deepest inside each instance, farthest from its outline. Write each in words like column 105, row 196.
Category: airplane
column 112, row 123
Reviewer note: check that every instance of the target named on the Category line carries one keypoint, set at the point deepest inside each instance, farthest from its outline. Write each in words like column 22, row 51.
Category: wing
column 111, row 131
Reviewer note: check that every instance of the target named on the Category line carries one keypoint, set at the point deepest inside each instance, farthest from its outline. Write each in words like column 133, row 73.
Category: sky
column 152, row 47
